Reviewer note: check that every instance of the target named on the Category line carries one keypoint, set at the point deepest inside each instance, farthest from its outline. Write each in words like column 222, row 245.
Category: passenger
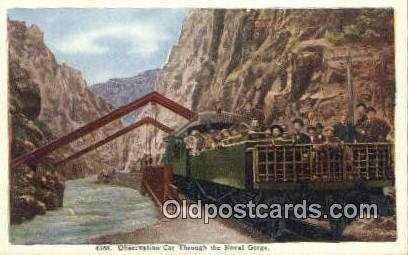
column 235, row 132
column 277, row 135
column 285, row 133
column 243, row 128
column 345, row 130
column 314, row 138
column 328, row 133
column 298, row 137
column 254, row 127
column 319, row 131
column 235, row 135
column 225, row 133
column 194, row 142
column 189, row 141
column 222, row 137
column 218, row 138
column 361, row 116
column 209, row 142
column 247, row 112
column 268, row 132
column 374, row 129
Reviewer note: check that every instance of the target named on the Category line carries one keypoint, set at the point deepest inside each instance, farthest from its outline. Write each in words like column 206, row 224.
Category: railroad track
column 293, row 230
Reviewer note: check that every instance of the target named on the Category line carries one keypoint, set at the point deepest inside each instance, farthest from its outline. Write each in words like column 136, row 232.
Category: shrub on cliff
column 368, row 26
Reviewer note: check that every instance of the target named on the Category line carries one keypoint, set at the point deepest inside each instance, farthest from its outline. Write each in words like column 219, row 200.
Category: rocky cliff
column 121, row 91
column 281, row 62
column 48, row 100
column 275, row 61
column 66, row 101
column 33, row 189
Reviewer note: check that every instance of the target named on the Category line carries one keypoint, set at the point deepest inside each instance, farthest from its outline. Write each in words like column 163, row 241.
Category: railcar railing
column 321, row 162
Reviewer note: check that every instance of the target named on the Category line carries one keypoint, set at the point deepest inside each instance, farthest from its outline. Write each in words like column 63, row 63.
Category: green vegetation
column 368, row 26
column 42, row 126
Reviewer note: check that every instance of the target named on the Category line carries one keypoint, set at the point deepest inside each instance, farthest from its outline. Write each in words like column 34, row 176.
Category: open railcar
column 256, row 169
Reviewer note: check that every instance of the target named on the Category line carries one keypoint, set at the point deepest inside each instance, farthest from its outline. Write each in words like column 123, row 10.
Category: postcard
column 204, row 127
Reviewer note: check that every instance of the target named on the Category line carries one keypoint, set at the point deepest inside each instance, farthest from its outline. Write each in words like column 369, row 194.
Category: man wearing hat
column 298, row 137
column 345, row 130
column 361, row 117
column 314, row 137
column 319, row 131
column 374, row 129
column 329, row 137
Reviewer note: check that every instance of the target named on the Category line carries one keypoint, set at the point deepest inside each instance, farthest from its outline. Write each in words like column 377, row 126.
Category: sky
column 107, row 43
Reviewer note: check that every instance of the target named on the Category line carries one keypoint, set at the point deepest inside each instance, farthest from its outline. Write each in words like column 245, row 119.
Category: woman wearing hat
column 277, row 134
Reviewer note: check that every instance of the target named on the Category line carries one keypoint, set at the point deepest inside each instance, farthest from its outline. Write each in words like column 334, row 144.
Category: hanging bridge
column 153, row 97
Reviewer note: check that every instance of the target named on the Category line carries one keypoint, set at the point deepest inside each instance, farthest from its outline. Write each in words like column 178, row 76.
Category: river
column 90, row 210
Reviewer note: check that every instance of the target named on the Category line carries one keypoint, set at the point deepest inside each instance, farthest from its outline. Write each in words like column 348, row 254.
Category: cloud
column 144, row 39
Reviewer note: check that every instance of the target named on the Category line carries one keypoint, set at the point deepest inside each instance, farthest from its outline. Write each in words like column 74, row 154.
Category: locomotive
column 255, row 168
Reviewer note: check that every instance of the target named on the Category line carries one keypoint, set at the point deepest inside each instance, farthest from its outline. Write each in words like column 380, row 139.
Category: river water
column 90, row 210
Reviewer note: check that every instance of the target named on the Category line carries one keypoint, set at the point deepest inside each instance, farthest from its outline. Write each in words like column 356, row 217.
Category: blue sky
column 107, row 43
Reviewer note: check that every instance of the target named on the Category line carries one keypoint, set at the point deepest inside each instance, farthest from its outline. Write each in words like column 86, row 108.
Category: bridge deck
column 94, row 125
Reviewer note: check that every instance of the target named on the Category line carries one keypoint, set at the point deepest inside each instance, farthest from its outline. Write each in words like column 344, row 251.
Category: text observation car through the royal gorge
column 222, row 158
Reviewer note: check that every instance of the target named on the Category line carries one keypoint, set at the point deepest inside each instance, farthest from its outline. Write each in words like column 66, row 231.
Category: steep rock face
column 33, row 188
column 279, row 62
column 274, row 60
column 121, row 91
column 66, row 101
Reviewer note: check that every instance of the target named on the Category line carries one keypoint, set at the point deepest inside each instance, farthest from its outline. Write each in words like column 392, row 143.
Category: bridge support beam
column 144, row 121
column 94, row 125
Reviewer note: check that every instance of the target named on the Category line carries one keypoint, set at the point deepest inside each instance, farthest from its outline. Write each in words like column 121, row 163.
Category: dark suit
column 346, row 132
column 317, row 139
column 375, row 130
column 301, row 138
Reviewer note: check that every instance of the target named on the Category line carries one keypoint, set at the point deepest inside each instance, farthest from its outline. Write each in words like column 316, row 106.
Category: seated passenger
column 246, row 129
column 268, row 132
column 209, row 142
column 235, row 135
column 285, row 133
column 319, row 131
column 225, row 133
column 374, row 129
column 345, row 130
column 314, row 138
column 277, row 135
column 217, row 138
column 254, row 126
column 298, row 137
column 194, row 142
column 328, row 133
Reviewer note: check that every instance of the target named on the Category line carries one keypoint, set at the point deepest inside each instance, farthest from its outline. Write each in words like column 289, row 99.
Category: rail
column 322, row 162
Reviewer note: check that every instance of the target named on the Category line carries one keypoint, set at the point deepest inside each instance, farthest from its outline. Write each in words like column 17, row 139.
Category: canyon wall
column 46, row 101
column 281, row 62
